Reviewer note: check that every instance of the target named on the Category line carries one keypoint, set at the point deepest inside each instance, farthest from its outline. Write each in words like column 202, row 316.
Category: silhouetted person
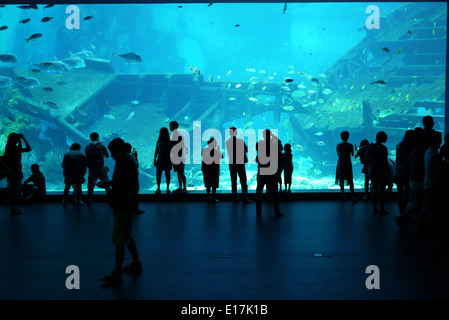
column 417, row 172
column 402, row 170
column 428, row 130
column 444, row 152
column 267, row 171
column 378, row 171
column 237, row 153
column 280, row 163
column 345, row 151
column 96, row 152
column 178, row 143
column 122, row 201
column 13, row 159
column 4, row 171
column 433, row 183
column 74, row 169
column 34, row 188
column 288, row 167
column 132, row 151
column 361, row 153
column 162, row 160
column 210, row 167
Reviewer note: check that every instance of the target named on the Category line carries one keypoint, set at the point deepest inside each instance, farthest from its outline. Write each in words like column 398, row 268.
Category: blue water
column 228, row 42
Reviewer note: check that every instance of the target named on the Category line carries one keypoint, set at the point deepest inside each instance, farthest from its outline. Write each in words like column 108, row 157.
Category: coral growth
column 51, row 166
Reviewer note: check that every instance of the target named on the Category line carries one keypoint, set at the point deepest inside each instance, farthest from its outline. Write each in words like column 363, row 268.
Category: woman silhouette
column 13, row 159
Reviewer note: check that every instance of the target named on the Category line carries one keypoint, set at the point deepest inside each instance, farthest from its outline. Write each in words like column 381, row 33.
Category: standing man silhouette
column 13, row 159
column 237, row 150
column 122, row 201
column 95, row 152
column 178, row 141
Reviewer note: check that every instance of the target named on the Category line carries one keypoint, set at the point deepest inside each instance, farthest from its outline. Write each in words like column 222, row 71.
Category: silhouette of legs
column 240, row 171
column 243, row 182
column 77, row 191
column 378, row 196
column 288, row 172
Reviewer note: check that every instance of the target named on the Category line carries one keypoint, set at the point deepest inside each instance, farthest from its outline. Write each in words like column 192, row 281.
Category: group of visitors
column 420, row 172
column 421, row 168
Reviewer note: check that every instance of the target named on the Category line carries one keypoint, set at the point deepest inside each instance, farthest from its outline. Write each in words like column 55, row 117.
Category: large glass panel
column 307, row 70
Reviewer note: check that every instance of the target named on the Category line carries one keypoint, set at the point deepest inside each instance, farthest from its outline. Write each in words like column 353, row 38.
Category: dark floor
column 199, row 251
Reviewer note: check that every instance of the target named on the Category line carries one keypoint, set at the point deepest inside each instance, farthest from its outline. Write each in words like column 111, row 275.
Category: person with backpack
column 96, row 152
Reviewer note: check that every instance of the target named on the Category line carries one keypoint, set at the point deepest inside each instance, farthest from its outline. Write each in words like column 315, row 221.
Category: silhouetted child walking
column 344, row 165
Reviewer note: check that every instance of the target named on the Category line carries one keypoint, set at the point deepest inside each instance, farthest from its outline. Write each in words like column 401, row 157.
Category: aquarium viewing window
column 307, row 71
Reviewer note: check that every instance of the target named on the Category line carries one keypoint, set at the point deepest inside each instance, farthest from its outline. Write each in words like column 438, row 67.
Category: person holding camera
column 13, row 159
